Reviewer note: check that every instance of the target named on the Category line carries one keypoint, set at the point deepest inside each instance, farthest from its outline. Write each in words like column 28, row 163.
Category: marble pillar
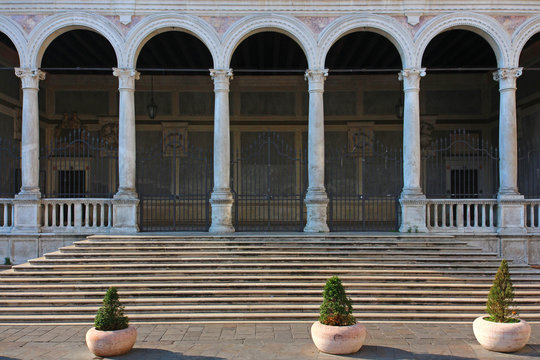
column 510, row 201
column 413, row 200
column 221, row 199
column 27, row 201
column 316, row 198
column 126, row 199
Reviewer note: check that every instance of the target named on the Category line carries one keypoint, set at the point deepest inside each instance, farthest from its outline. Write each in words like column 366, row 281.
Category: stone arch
column 159, row 23
column 483, row 25
column 16, row 34
column 50, row 28
column 287, row 25
column 382, row 25
column 523, row 34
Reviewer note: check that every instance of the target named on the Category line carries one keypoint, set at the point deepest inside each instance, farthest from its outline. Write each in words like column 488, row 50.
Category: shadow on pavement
column 151, row 354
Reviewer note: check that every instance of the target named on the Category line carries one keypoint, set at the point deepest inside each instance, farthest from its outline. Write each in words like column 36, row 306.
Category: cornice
column 296, row 7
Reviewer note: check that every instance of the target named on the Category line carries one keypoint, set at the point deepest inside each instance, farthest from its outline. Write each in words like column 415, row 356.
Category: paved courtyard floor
column 258, row 341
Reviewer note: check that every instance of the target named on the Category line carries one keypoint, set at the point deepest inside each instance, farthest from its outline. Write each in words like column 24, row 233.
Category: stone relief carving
column 174, row 139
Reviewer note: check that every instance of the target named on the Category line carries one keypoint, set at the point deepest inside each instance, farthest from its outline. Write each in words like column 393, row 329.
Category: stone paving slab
column 258, row 342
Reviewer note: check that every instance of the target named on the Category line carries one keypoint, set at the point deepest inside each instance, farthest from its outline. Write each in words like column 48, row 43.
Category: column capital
column 507, row 73
column 507, row 77
column 126, row 77
column 316, row 78
column 221, row 78
column 30, row 77
column 411, row 78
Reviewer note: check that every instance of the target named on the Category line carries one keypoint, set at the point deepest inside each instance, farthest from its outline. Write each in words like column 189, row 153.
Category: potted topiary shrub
column 111, row 334
column 337, row 331
column 502, row 330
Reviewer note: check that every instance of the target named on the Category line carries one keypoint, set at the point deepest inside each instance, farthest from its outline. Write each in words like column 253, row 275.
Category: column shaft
column 316, row 198
column 221, row 199
column 413, row 208
column 30, row 131
column 511, row 214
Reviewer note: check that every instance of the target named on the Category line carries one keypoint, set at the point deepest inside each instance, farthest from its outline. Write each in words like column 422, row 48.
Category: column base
column 125, row 214
column 316, row 205
column 510, row 214
column 27, row 213
column 413, row 212
column 221, row 202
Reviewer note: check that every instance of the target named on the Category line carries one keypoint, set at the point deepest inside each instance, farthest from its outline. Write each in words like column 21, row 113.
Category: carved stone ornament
column 507, row 73
column 109, row 134
column 174, row 139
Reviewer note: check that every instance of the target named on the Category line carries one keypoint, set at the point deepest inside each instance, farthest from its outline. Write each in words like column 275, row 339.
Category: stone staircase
column 256, row 278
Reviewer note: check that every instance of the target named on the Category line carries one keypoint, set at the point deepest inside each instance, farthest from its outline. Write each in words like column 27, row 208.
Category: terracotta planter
column 111, row 343
column 338, row 339
column 503, row 337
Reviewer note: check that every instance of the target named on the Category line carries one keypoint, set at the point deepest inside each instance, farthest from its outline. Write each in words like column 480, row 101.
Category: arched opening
column 174, row 112
column 268, row 114
column 528, row 122
column 363, row 108
column 10, row 120
column 459, row 122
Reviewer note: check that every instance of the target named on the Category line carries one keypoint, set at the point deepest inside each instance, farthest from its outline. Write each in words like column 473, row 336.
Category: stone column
column 413, row 200
column 221, row 199
column 510, row 201
column 126, row 199
column 27, row 206
column 316, row 198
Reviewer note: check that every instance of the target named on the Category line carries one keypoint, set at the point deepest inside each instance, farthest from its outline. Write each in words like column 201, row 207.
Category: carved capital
column 30, row 77
column 126, row 78
column 507, row 73
column 411, row 78
column 221, row 78
column 316, row 79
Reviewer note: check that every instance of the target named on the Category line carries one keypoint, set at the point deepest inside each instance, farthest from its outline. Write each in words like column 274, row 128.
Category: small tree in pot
column 111, row 334
column 502, row 330
column 337, row 331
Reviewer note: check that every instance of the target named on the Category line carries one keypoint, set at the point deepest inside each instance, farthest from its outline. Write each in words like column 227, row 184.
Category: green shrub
column 336, row 309
column 110, row 316
column 7, row 261
column 500, row 304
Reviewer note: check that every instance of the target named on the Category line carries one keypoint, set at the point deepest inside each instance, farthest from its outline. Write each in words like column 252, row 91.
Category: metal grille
column 529, row 169
column 461, row 165
column 174, row 182
column 268, row 183
column 79, row 165
column 10, row 163
column 363, row 182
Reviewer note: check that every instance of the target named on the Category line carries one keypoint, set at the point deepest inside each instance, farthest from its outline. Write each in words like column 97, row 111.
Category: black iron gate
column 10, row 163
column 363, row 182
column 174, row 182
column 268, row 180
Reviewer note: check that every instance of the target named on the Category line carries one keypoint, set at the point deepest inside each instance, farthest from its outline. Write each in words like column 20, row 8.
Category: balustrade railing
column 532, row 215
column 461, row 215
column 6, row 214
column 77, row 214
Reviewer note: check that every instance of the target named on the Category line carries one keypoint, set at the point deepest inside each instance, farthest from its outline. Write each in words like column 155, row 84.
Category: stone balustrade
column 461, row 215
column 72, row 215
column 6, row 215
column 532, row 215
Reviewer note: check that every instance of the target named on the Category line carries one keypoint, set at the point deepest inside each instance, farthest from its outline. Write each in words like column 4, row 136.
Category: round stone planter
column 503, row 337
column 111, row 343
column 338, row 339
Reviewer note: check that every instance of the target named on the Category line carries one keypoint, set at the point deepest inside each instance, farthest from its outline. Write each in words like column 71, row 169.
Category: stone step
column 236, row 317
column 25, row 270
column 99, row 292
column 255, row 278
column 292, row 286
